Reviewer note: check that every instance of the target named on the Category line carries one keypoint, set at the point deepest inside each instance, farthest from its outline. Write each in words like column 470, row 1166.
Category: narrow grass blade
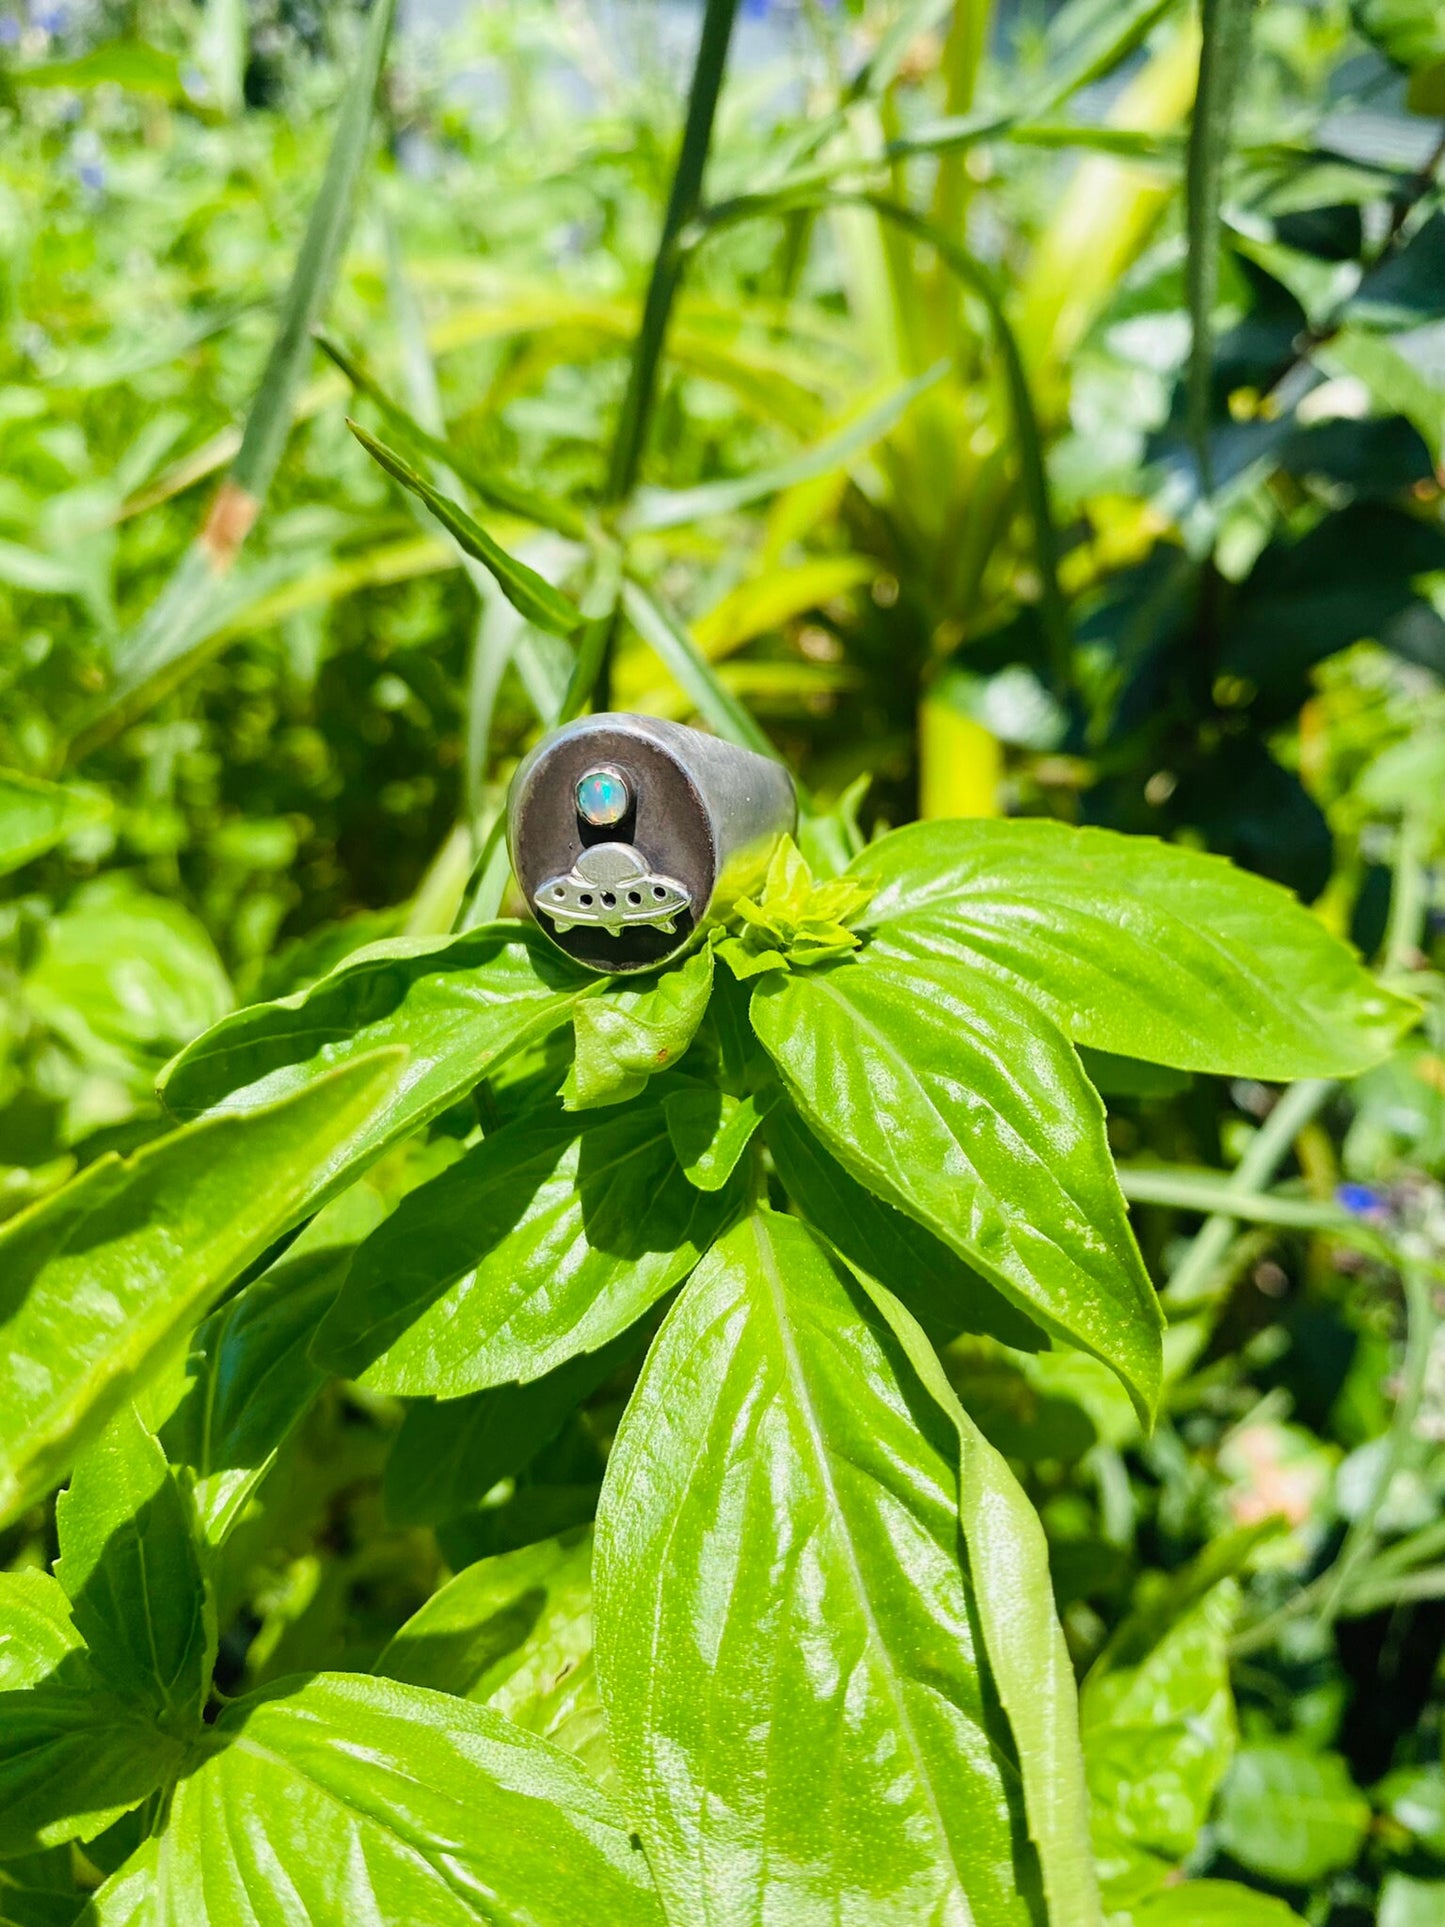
column 1226, row 25
column 680, row 655
column 496, row 489
column 501, row 636
column 529, row 593
column 683, row 203
column 157, row 652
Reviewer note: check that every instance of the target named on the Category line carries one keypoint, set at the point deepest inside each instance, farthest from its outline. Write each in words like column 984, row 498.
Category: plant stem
column 1191, row 1282
column 1409, row 897
column 1222, row 52
column 682, row 205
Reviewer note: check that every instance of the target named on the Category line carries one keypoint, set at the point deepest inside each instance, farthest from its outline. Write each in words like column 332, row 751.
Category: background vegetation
column 1011, row 451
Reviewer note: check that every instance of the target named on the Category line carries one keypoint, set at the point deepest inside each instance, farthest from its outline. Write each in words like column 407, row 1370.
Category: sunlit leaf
column 957, row 1101
column 778, row 1554
column 460, row 1007
column 1146, row 949
column 547, row 1239
column 129, row 1563
column 346, row 1798
column 91, row 1290
column 1291, row 1814
column 1158, row 1737
column 35, row 816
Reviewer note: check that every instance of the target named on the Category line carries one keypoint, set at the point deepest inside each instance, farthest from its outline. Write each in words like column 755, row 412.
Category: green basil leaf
column 1158, row 1739
column 1215, row 1903
column 460, row 1006
column 129, row 1563
column 37, row 1632
column 73, row 1756
column 710, row 1129
column 547, row 1239
column 38, row 1890
column 956, row 1100
column 1009, row 1564
column 1291, row 1815
column 127, row 978
column 344, row 1798
column 944, row 1294
column 73, row 1759
column 251, row 1379
column 1141, row 948
column 91, row 1294
column 778, row 1560
column 626, row 1033
column 35, row 816
column 515, row 1632
column 449, row 1453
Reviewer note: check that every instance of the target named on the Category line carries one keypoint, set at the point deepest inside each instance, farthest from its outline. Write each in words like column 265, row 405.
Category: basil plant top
column 858, row 1124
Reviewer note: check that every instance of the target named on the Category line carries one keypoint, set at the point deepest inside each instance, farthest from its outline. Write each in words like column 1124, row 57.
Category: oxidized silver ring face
column 628, row 834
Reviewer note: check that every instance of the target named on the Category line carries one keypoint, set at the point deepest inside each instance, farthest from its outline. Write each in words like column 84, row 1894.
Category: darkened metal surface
column 704, row 819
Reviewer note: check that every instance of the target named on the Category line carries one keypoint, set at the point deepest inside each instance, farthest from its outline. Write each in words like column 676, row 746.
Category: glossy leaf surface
column 944, row 1294
column 515, row 1632
column 459, row 1007
column 627, row 1035
column 547, row 1239
column 342, row 1798
column 957, row 1101
column 91, row 1290
column 1141, row 948
column 128, row 1562
column 1009, row 1566
column 780, row 1584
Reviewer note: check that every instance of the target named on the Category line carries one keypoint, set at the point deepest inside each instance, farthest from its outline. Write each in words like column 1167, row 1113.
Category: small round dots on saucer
column 603, row 797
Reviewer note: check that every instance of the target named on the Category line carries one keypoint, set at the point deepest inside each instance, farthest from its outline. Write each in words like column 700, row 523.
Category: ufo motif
column 610, row 887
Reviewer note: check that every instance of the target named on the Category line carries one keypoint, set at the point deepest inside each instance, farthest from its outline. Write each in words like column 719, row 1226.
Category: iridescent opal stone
column 603, row 797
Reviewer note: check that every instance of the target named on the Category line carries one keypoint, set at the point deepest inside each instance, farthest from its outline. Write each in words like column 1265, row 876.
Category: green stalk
column 171, row 638
column 682, row 205
column 1409, row 896
column 1222, row 53
column 1222, row 1196
column 1192, row 1281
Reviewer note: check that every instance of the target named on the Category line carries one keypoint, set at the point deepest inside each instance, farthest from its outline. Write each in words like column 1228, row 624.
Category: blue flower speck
column 1361, row 1200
